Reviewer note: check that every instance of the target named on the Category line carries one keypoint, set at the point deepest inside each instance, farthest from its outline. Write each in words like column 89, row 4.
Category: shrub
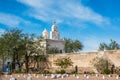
column 64, row 62
column 106, row 71
column 62, row 71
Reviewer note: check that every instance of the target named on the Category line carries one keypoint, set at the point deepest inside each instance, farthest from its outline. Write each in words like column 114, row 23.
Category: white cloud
column 48, row 10
column 86, row 14
column 11, row 20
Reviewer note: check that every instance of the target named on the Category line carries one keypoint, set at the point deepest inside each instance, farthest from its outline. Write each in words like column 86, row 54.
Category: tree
column 63, row 62
column 72, row 46
column 77, row 45
column 103, row 46
column 36, row 53
column 11, row 42
column 28, row 48
column 113, row 45
column 15, row 44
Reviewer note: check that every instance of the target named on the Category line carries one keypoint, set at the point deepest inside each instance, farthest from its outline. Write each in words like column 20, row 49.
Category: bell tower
column 54, row 34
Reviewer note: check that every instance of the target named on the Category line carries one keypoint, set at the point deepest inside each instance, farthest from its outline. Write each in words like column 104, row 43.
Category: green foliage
column 103, row 46
column 17, row 45
column 113, row 45
column 12, row 45
column 63, row 62
column 72, row 46
column 33, row 48
column 62, row 71
column 106, row 71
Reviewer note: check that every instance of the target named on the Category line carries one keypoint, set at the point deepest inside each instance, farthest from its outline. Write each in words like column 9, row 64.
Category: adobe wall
column 83, row 59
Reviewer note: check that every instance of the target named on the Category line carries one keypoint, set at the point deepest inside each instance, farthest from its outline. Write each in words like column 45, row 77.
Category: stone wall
column 83, row 59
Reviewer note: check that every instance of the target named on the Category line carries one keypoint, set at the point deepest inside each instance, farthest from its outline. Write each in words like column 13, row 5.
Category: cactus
column 76, row 69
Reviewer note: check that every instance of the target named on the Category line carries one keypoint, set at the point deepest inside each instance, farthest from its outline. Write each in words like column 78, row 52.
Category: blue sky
column 90, row 21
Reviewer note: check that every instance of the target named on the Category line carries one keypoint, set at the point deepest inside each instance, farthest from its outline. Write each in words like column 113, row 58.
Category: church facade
column 54, row 41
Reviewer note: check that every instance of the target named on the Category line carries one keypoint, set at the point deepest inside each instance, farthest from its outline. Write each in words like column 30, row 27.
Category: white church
column 54, row 41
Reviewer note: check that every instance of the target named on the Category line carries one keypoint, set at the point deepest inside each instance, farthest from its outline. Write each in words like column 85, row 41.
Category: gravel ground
column 70, row 77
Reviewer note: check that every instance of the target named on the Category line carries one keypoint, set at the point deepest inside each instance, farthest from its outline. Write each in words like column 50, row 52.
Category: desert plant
column 63, row 62
column 106, row 71
column 76, row 69
column 100, row 64
column 62, row 71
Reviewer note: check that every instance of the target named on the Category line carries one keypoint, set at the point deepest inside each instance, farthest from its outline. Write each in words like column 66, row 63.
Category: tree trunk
column 26, row 62
column 13, row 62
column 3, row 62
column 37, row 62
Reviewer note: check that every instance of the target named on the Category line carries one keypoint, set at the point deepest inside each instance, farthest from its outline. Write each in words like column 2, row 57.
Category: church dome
column 45, row 31
column 45, row 34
